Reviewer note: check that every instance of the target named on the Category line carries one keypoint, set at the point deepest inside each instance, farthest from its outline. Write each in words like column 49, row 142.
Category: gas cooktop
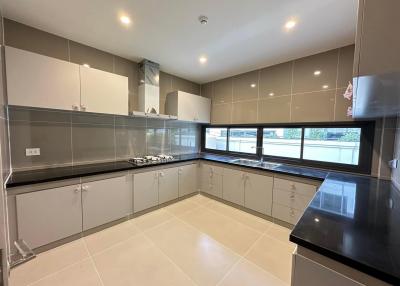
column 148, row 160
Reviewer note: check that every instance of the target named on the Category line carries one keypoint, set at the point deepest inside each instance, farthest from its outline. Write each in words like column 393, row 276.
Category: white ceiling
column 241, row 35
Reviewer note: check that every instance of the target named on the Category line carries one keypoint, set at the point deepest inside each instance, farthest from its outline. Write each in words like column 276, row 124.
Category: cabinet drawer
column 291, row 199
column 300, row 188
column 285, row 213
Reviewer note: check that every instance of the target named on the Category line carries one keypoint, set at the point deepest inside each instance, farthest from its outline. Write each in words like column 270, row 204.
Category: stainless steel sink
column 255, row 163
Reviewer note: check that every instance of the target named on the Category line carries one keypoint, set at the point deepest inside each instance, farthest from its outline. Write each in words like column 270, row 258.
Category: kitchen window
column 341, row 146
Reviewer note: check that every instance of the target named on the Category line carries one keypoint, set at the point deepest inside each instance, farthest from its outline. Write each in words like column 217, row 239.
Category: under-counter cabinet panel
column 211, row 180
column 233, row 186
column 39, row 81
column 49, row 215
column 167, row 185
column 258, row 193
column 103, row 92
column 187, row 179
column 145, row 190
column 106, row 200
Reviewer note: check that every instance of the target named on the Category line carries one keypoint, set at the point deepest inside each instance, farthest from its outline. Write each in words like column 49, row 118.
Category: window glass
column 335, row 145
column 216, row 138
column 243, row 140
column 282, row 142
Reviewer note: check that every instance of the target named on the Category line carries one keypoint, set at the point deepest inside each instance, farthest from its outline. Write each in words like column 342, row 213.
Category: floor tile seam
column 169, row 258
column 94, row 265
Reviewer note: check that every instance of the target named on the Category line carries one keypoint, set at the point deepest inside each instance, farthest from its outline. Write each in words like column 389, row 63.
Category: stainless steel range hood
column 149, row 88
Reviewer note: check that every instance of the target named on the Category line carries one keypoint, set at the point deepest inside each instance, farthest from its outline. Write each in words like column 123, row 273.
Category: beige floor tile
column 138, row 262
column 152, row 219
column 246, row 273
column 181, row 207
column 231, row 233
column 250, row 220
column 205, row 260
column 199, row 199
column 80, row 274
column 273, row 256
column 281, row 233
column 102, row 240
column 49, row 262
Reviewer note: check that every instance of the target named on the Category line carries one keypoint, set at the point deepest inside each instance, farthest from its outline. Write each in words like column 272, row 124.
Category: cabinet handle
column 291, row 212
column 75, row 107
column 77, row 190
column 293, row 186
column 156, row 175
column 83, row 107
column 161, row 174
column 292, row 195
column 85, row 188
column 180, row 171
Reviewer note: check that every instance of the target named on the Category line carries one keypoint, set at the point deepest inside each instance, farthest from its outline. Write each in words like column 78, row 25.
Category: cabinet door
column 203, row 110
column 103, row 92
column 186, row 106
column 211, row 180
column 187, row 179
column 167, row 185
column 106, row 200
column 39, row 81
column 145, row 191
column 233, row 186
column 49, row 215
column 258, row 193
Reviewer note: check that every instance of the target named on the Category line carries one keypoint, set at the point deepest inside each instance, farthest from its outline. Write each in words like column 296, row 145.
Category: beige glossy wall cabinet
column 34, row 80
column 188, row 107
column 49, row 215
column 39, row 81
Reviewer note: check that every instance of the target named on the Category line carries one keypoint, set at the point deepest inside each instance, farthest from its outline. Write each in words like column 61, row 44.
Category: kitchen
column 175, row 143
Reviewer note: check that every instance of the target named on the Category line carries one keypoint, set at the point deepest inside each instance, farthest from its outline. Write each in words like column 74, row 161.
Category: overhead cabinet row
column 39, row 81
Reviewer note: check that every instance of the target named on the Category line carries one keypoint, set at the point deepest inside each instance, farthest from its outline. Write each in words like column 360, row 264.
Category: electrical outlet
column 32, row 151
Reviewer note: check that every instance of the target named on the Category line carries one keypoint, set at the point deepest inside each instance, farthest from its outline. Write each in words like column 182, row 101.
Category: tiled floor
column 197, row 241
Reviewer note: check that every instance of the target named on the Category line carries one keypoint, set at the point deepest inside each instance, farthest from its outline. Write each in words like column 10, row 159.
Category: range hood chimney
column 149, row 88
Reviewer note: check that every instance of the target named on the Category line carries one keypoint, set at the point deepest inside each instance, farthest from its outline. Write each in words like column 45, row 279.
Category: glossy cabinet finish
column 258, row 193
column 211, row 180
column 49, row 215
column 38, row 81
column 233, row 186
column 103, row 92
column 188, row 107
column 167, row 185
column 187, row 179
column 106, row 200
column 145, row 190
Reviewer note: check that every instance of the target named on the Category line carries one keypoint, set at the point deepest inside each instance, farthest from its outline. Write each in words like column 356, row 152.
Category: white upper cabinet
column 103, row 92
column 39, row 81
column 188, row 107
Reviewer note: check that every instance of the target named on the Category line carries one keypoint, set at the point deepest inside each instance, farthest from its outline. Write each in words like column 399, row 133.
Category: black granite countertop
column 355, row 220
column 352, row 219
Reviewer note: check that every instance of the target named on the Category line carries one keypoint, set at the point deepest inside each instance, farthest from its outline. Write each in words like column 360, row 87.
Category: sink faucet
column 262, row 152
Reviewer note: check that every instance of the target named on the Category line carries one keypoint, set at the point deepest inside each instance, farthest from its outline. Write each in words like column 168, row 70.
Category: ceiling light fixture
column 317, row 73
column 202, row 59
column 203, row 19
column 253, row 85
column 125, row 20
column 290, row 24
column 325, row 86
column 271, row 94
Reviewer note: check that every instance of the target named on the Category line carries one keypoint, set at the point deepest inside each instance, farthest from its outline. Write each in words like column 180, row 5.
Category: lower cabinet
column 233, row 186
column 187, row 179
column 258, row 193
column 211, row 180
column 106, row 200
column 145, row 190
column 167, row 185
column 49, row 215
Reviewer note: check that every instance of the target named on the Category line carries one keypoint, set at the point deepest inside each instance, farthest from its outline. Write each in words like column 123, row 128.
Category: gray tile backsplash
column 72, row 138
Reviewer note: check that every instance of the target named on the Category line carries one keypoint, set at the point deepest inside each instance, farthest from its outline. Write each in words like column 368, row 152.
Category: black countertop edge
column 365, row 268
column 30, row 177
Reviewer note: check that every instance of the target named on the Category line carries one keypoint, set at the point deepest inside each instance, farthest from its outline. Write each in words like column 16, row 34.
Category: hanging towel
column 348, row 94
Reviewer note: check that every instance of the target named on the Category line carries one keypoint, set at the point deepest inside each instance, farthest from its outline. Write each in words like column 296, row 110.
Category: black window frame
column 365, row 152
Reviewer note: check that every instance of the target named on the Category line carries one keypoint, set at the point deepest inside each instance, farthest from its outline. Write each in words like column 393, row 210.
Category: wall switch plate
column 393, row 163
column 32, row 151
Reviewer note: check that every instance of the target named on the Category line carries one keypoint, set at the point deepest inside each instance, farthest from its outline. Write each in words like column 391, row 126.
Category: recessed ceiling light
column 317, row 73
column 202, row 59
column 290, row 24
column 316, row 219
column 325, row 86
column 271, row 94
column 253, row 85
column 125, row 20
column 86, row 65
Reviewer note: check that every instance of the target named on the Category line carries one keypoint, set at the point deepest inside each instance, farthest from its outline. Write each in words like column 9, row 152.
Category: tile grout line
column 93, row 263
column 336, row 84
column 291, row 93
